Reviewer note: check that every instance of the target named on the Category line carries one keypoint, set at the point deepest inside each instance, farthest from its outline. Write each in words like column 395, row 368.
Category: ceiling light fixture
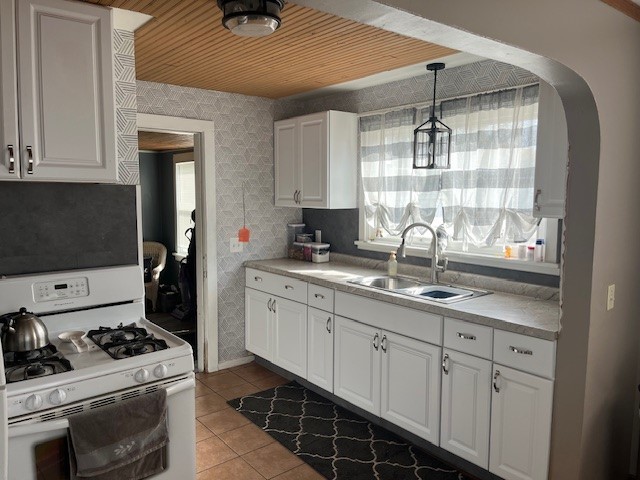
column 251, row 18
column 432, row 139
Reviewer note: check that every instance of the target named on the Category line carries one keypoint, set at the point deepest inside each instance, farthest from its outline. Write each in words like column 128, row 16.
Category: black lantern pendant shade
column 251, row 18
column 432, row 139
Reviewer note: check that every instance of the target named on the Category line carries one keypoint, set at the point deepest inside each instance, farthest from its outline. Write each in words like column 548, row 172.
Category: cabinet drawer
column 468, row 338
column 405, row 321
column 320, row 297
column 528, row 354
column 279, row 285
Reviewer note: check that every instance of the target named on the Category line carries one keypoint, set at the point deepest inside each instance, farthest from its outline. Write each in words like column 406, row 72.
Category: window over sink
column 485, row 201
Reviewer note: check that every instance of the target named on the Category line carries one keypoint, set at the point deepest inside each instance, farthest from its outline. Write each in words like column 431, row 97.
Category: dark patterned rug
column 335, row 442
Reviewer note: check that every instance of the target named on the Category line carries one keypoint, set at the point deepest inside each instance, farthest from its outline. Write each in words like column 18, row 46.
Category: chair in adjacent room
column 158, row 254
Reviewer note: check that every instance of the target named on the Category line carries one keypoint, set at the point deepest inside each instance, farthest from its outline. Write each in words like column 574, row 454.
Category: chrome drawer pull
column 269, row 305
column 288, row 287
column 466, row 336
column 273, row 306
column 12, row 160
column 257, row 279
column 495, row 381
column 376, row 342
column 30, row 160
column 383, row 344
column 444, row 364
column 319, row 295
column 521, row 351
column 329, row 324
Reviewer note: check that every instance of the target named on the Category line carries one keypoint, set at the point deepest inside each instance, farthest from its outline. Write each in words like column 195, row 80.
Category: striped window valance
column 485, row 196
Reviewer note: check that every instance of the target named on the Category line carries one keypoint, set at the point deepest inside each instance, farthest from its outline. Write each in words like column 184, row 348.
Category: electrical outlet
column 235, row 245
column 611, row 296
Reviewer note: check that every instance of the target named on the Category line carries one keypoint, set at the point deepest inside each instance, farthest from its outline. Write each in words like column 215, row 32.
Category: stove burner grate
column 126, row 341
column 35, row 364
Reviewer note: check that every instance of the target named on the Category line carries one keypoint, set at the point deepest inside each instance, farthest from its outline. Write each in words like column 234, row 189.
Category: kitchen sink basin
column 387, row 283
column 414, row 288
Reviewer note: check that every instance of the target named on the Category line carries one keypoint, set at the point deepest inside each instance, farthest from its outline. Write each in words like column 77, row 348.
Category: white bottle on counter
column 539, row 250
column 392, row 265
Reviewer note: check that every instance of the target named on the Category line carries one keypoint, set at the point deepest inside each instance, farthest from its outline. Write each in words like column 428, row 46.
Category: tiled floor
column 230, row 447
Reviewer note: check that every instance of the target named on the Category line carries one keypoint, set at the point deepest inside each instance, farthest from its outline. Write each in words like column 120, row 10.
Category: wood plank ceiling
column 160, row 142
column 186, row 44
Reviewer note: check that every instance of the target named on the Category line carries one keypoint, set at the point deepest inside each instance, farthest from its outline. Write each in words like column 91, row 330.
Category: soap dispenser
column 392, row 265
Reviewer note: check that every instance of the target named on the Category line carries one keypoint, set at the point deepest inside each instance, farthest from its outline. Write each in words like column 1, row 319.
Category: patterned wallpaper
column 244, row 153
column 124, row 70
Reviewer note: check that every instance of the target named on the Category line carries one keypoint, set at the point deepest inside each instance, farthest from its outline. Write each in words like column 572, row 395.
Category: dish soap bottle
column 392, row 265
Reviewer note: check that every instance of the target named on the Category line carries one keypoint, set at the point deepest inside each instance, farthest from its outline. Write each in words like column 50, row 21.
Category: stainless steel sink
column 387, row 283
column 414, row 288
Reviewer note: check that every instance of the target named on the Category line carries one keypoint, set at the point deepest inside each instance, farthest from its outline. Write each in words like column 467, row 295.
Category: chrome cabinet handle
column 296, row 196
column 495, row 381
column 30, row 160
column 288, row 287
column 376, row 342
column 383, row 344
column 273, row 306
column 521, row 351
column 12, row 159
column 445, row 359
column 536, row 204
column 329, row 324
column 257, row 279
column 319, row 295
column 466, row 336
column 269, row 305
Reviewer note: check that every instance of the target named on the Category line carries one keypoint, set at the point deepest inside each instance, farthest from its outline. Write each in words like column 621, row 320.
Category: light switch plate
column 611, row 296
column 235, row 245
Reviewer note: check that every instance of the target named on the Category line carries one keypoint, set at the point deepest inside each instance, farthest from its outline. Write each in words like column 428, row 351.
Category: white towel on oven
column 123, row 441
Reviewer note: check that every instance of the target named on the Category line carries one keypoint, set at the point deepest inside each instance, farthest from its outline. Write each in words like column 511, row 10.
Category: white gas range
column 36, row 426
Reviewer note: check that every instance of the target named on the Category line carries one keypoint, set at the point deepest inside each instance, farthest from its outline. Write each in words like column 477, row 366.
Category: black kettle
column 22, row 332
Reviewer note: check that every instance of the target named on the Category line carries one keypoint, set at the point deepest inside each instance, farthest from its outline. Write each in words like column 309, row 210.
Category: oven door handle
column 63, row 423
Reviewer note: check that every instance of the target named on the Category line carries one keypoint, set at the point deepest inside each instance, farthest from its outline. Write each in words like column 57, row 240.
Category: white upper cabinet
column 316, row 161
column 65, row 96
column 10, row 159
column 552, row 155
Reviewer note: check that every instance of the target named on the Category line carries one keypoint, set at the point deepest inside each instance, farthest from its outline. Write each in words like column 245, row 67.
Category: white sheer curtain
column 485, row 196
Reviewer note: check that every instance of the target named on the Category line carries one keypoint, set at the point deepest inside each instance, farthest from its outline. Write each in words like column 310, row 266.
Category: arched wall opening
column 591, row 54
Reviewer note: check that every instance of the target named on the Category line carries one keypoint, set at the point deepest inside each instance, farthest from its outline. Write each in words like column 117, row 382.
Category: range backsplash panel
column 66, row 226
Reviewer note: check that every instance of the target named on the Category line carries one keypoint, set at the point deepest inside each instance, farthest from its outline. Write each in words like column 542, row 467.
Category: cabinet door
column 357, row 364
column 552, row 155
column 257, row 318
column 66, row 91
column 285, row 144
column 9, row 147
column 320, row 348
column 520, row 425
column 410, row 392
column 290, row 336
column 466, row 404
column 312, row 130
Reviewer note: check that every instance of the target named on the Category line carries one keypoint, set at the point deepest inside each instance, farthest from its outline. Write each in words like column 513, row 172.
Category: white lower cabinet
column 410, row 387
column 257, row 322
column 320, row 348
column 466, row 404
column 290, row 335
column 520, row 424
column 276, row 330
column 357, row 364
column 389, row 375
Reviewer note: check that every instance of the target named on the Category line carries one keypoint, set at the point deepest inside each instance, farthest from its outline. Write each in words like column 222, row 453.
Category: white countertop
column 515, row 313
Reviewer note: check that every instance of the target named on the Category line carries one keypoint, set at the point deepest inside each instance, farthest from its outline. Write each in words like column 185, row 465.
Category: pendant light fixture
column 251, row 18
column 432, row 139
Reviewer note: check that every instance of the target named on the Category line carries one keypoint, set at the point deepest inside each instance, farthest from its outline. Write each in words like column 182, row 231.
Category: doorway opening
column 177, row 161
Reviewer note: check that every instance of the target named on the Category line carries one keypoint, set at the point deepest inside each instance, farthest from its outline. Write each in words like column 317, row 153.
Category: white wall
column 598, row 350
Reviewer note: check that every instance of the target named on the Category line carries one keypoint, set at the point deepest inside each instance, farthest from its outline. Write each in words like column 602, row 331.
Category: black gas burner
column 34, row 364
column 126, row 341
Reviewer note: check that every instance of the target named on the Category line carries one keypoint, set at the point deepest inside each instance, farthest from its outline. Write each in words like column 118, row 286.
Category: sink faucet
column 435, row 255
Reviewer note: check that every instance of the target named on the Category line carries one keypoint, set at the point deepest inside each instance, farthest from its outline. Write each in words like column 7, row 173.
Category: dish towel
column 123, row 441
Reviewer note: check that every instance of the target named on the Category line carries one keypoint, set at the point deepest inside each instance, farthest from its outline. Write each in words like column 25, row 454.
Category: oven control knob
column 141, row 375
column 57, row 396
column 33, row 402
column 160, row 371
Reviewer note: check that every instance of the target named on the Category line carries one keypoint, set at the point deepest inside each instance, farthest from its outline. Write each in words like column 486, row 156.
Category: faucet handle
column 444, row 265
